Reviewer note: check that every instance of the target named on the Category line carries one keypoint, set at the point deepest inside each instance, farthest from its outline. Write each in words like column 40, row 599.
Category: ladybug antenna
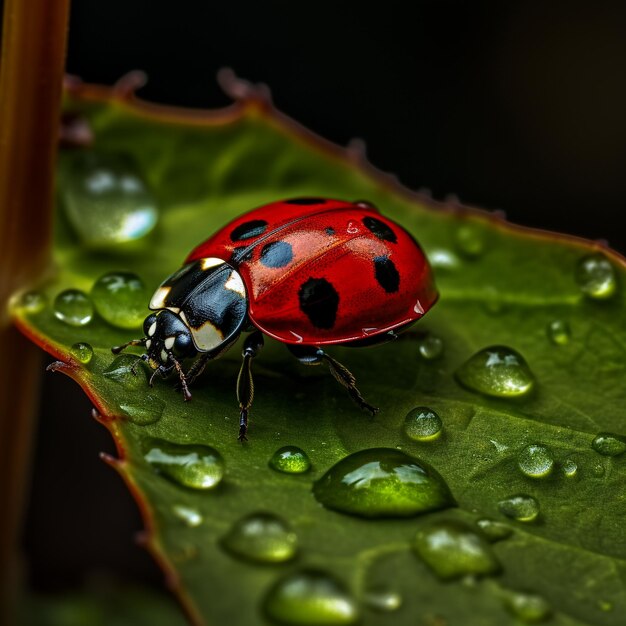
column 134, row 342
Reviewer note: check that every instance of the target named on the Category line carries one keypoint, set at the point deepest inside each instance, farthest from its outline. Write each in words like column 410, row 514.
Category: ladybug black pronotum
column 309, row 272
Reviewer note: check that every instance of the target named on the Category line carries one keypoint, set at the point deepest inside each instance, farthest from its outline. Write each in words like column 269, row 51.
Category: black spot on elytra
column 240, row 255
column 247, row 230
column 306, row 201
column 330, row 230
column 276, row 254
column 319, row 302
column 380, row 229
column 386, row 274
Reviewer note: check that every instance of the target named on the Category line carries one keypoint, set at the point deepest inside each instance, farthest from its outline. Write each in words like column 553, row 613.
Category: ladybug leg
column 245, row 384
column 310, row 355
column 183, row 378
column 197, row 368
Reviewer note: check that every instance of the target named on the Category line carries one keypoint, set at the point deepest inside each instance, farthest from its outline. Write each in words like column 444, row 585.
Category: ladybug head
column 167, row 340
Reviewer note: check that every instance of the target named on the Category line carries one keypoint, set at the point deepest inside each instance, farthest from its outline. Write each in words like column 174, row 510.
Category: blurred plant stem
column 31, row 75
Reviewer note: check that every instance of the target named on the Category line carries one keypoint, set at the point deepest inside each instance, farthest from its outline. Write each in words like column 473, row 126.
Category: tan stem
column 31, row 74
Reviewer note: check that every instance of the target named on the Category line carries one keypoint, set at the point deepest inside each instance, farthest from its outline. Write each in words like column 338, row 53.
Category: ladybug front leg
column 311, row 355
column 245, row 385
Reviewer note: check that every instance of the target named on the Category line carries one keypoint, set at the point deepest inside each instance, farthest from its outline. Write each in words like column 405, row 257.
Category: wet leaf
column 550, row 308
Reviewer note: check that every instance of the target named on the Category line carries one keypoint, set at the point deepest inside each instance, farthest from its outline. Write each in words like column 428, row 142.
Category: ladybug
column 308, row 272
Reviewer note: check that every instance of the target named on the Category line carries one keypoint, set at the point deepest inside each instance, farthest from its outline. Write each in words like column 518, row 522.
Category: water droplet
column 596, row 277
column 263, row 538
column 32, row 302
column 190, row 516
column 452, row 550
column 444, row 259
column 194, row 466
column 570, row 468
column 106, row 199
column 521, row 508
column 82, row 352
column 121, row 371
column 494, row 531
column 73, row 307
column 609, row 444
column 382, row 599
column 382, row 482
column 528, row 607
column 535, row 461
column 598, row 470
column 310, row 598
column 290, row 460
column 430, row 347
column 470, row 240
column 422, row 424
column 497, row 371
column 148, row 411
column 121, row 299
column 559, row 332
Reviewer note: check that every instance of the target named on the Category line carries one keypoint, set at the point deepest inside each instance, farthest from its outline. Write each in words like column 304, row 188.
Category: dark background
column 519, row 106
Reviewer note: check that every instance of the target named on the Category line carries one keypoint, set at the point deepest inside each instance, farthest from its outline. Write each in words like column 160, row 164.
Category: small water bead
column 128, row 371
column 193, row 466
column 497, row 371
column 33, row 302
column 494, row 531
column 382, row 482
column 82, row 352
column 559, row 332
column 310, row 598
column 148, row 411
column 422, row 424
column 596, row 277
column 382, row 599
column 451, row 549
column 521, row 508
column 74, row 307
column 106, row 198
column 430, row 347
column 470, row 240
column 290, row 460
column 121, row 299
column 528, row 607
column 263, row 538
column 609, row 444
column 535, row 461
column 190, row 516
column 570, row 468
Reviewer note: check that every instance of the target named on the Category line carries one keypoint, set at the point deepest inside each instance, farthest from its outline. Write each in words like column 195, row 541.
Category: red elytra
column 320, row 271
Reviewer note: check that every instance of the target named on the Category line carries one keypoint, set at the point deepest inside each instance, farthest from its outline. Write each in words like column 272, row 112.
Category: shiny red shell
column 320, row 271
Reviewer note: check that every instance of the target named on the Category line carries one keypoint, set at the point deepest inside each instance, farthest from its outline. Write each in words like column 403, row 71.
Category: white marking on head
column 169, row 343
column 234, row 283
column 207, row 336
column 152, row 329
column 210, row 262
column 159, row 298
column 148, row 343
column 164, row 356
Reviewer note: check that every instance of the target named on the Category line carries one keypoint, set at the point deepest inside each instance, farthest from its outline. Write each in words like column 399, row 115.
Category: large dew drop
column 609, row 444
column 452, row 550
column 596, row 277
column 107, row 200
column 422, row 424
column 32, row 302
column 497, row 371
column 121, row 299
column 310, row 598
column 290, row 460
column 382, row 482
column 263, row 538
column 82, row 352
column 73, row 307
column 430, row 347
column 521, row 508
column 535, row 461
column 193, row 466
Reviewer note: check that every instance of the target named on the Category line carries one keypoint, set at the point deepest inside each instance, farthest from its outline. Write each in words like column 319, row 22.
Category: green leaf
column 553, row 306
